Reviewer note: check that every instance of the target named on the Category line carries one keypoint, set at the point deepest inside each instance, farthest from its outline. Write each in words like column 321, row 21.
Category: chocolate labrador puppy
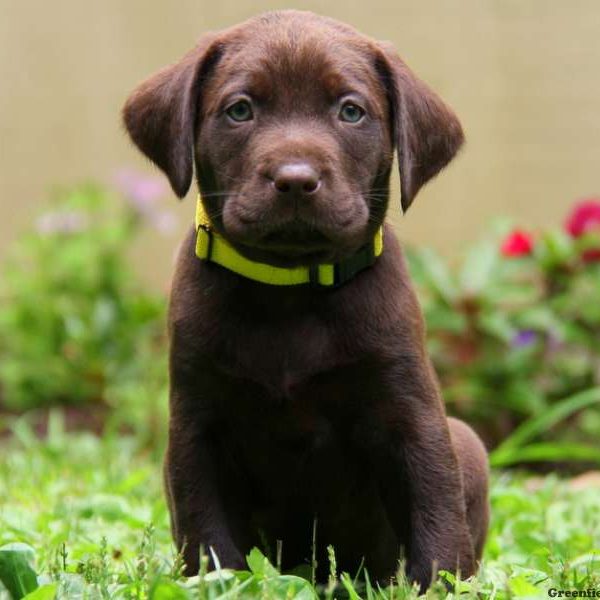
column 301, row 389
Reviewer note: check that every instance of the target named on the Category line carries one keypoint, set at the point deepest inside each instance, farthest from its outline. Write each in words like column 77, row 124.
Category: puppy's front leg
column 421, row 483
column 202, row 512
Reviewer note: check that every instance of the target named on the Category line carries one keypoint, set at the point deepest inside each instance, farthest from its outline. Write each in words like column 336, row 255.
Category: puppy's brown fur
column 295, row 403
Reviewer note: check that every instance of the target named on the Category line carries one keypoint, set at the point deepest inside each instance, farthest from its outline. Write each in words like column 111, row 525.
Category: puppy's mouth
column 289, row 240
column 292, row 245
column 296, row 241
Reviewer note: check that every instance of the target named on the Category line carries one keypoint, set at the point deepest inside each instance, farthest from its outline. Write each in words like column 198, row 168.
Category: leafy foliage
column 521, row 446
column 515, row 327
column 76, row 326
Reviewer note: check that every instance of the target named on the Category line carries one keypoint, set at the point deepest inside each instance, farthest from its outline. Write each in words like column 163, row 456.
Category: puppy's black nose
column 296, row 178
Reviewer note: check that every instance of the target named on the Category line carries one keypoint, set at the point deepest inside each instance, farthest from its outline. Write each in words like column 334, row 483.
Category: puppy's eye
column 240, row 111
column 351, row 113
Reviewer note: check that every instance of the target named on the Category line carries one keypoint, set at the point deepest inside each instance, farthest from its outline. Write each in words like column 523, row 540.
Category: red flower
column 592, row 255
column 518, row 243
column 584, row 219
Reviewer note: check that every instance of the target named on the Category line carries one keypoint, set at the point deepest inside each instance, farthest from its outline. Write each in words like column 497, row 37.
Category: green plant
column 515, row 327
column 520, row 446
column 76, row 325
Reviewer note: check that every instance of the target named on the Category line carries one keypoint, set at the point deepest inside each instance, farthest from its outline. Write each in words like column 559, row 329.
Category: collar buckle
column 345, row 270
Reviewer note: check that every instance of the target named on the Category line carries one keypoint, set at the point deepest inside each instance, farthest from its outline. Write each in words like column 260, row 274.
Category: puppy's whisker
column 230, row 177
column 217, row 194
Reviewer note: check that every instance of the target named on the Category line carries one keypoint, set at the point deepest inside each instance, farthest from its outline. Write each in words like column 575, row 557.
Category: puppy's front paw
column 224, row 559
column 459, row 557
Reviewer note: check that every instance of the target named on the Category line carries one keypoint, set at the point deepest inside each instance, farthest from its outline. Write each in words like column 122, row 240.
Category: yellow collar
column 210, row 246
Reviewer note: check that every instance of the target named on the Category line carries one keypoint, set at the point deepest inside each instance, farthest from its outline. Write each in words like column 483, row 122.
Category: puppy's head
column 291, row 121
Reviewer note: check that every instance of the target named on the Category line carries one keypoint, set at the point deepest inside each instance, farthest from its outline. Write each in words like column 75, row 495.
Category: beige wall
column 523, row 75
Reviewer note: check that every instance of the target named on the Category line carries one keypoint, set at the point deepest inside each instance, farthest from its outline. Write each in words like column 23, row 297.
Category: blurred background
column 499, row 244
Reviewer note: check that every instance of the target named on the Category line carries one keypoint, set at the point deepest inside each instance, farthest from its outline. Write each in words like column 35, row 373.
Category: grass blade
column 556, row 413
column 544, row 452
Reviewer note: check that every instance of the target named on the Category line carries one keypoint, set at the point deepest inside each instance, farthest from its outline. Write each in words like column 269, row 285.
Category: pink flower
column 143, row 193
column 140, row 190
column 517, row 243
column 62, row 222
column 585, row 219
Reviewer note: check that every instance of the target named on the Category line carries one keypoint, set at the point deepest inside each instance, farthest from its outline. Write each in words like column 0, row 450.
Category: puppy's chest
column 290, row 426
column 295, row 390
column 281, row 358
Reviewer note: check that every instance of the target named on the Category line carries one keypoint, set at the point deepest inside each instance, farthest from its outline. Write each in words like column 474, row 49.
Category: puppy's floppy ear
column 160, row 115
column 427, row 133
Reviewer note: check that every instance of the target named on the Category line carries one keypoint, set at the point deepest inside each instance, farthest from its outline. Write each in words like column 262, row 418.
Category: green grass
column 92, row 516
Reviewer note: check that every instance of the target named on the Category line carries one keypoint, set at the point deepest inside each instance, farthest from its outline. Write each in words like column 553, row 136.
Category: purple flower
column 140, row 190
column 143, row 192
column 524, row 338
column 61, row 222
